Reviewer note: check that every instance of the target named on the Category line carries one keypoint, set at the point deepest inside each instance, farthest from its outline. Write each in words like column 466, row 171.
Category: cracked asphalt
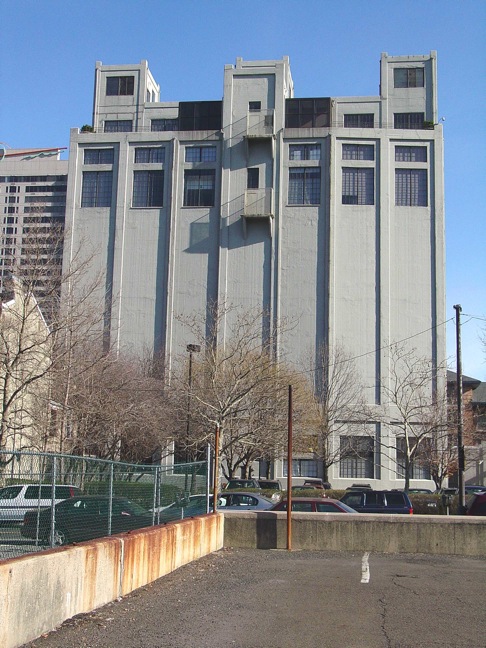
column 277, row 599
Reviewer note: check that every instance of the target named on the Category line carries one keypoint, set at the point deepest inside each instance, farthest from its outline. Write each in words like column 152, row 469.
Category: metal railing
column 51, row 499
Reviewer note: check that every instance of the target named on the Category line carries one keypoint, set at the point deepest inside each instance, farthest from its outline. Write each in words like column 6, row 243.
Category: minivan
column 16, row 500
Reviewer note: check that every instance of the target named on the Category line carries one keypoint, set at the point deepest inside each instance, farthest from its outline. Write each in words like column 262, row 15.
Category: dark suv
column 372, row 501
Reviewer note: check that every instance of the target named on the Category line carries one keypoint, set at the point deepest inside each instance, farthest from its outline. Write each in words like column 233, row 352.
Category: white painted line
column 365, row 568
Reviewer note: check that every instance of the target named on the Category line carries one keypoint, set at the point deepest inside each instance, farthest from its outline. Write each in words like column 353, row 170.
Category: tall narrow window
column 253, row 178
column 199, row 188
column 358, row 186
column 97, row 189
column 148, row 189
column 411, row 187
column 304, row 186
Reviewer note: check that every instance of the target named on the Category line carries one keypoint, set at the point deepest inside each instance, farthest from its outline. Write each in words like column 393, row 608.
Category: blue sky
column 49, row 49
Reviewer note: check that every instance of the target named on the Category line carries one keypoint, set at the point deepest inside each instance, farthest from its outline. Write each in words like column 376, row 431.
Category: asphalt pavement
column 277, row 599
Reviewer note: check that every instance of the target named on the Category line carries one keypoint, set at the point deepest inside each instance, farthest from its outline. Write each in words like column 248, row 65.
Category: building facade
column 328, row 211
column 33, row 185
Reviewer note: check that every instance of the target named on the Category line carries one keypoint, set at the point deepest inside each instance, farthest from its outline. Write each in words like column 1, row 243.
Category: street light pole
column 191, row 348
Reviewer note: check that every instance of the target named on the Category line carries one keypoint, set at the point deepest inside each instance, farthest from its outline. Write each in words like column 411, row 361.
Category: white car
column 16, row 500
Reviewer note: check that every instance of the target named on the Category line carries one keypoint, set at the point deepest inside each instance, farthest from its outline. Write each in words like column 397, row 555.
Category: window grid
column 305, row 186
column 200, row 154
column 164, row 125
column 409, row 77
column 357, row 457
column 304, row 152
column 97, row 189
column 150, row 154
column 419, row 469
column 118, row 126
column 99, row 156
column 148, row 189
column 199, row 188
column 363, row 120
column 410, row 154
column 122, row 85
column 301, row 468
column 411, row 187
column 358, row 152
column 409, row 121
column 358, row 186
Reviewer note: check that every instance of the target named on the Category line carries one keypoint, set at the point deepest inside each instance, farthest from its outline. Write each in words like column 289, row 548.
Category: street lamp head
column 193, row 348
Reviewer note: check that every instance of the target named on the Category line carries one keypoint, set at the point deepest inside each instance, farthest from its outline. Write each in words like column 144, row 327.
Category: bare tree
column 118, row 411
column 38, row 336
column 236, row 385
column 338, row 403
column 414, row 412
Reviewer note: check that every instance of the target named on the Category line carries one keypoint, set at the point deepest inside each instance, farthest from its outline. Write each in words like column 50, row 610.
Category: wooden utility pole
column 461, row 508
column 289, row 474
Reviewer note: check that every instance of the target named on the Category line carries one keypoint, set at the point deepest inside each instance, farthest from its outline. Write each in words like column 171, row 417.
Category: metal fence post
column 156, row 499
column 53, row 500
column 208, row 471
column 110, row 500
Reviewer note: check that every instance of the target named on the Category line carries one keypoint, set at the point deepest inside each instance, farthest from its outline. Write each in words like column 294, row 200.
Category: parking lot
column 12, row 544
column 279, row 599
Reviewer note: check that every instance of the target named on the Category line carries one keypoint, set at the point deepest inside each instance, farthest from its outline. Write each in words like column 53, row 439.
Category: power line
column 476, row 317
column 387, row 346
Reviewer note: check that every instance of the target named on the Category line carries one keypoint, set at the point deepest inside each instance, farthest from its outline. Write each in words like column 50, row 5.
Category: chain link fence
column 48, row 499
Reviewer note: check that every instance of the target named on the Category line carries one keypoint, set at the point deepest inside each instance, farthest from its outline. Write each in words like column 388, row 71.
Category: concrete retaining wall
column 40, row 591
column 431, row 534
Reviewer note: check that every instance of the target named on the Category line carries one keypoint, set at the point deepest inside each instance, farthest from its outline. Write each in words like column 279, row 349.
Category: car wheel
column 57, row 538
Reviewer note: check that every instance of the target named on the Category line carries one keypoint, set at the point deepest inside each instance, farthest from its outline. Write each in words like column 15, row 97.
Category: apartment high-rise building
column 33, row 184
column 328, row 211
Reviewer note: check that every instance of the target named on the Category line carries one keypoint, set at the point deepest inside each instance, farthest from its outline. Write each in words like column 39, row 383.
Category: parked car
column 477, row 504
column 315, row 505
column 270, row 484
column 316, row 483
column 195, row 505
column 360, row 487
column 16, row 500
column 471, row 489
column 374, row 501
column 85, row 518
column 244, row 502
column 424, row 491
column 238, row 484
column 300, row 488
